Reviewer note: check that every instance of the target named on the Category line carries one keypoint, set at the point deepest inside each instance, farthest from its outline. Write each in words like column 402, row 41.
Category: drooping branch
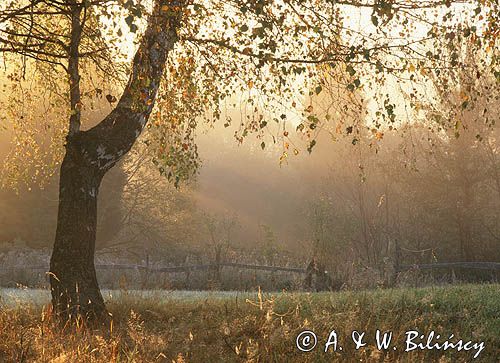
column 332, row 58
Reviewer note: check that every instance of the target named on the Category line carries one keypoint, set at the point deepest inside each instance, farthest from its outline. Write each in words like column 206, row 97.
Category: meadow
column 156, row 326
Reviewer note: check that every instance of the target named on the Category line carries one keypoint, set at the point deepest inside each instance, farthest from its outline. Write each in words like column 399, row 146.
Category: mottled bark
column 89, row 155
column 75, row 290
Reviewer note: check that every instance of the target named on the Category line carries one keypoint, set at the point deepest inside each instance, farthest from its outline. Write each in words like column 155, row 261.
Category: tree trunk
column 89, row 155
column 74, row 287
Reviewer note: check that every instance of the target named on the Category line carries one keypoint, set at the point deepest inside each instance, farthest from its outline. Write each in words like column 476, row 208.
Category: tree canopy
column 264, row 57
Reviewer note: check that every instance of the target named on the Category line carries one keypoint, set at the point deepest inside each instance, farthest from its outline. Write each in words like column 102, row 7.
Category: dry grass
column 261, row 330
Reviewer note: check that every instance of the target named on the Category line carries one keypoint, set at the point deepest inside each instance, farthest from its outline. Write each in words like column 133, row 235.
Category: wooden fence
column 492, row 266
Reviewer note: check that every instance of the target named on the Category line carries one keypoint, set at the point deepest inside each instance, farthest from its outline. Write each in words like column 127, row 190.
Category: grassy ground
column 230, row 328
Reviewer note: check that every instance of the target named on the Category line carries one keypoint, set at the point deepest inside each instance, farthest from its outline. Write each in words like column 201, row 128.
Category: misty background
column 348, row 204
column 363, row 201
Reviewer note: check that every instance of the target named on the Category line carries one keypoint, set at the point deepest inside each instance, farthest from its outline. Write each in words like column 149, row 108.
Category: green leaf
column 311, row 145
column 350, row 69
column 313, row 119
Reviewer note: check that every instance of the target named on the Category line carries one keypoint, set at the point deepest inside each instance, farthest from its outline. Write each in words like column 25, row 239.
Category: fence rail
column 184, row 268
column 453, row 265
column 188, row 268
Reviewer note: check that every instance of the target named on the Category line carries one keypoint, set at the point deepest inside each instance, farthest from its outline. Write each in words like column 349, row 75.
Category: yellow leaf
column 338, row 129
column 283, row 157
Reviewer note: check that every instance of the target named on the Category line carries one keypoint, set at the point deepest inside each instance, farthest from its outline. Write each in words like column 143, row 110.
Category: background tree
column 220, row 235
column 425, row 181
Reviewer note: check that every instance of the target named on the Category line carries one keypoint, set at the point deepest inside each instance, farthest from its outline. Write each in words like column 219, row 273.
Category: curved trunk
column 89, row 155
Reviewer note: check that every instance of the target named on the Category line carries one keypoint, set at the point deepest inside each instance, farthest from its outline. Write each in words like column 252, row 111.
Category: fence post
column 188, row 273
column 145, row 275
column 218, row 255
column 396, row 262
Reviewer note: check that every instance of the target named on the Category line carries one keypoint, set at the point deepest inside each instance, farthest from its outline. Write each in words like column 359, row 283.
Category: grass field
column 231, row 327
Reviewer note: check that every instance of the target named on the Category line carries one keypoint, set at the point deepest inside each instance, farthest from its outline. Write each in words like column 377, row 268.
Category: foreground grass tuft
column 262, row 328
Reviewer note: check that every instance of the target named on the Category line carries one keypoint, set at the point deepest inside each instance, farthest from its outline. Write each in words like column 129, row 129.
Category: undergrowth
column 261, row 329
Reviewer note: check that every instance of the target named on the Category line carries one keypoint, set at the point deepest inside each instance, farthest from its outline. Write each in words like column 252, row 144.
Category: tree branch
column 113, row 137
column 73, row 70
